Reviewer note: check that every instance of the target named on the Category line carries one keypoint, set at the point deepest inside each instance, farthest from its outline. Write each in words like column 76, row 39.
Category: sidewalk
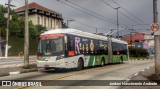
column 17, row 66
column 147, row 75
column 17, row 57
column 17, row 70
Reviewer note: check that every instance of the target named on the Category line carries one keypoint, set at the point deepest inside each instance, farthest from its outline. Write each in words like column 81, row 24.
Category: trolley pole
column 26, row 37
column 156, row 41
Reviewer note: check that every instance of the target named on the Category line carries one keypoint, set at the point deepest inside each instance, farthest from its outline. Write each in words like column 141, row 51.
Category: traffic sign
column 155, row 28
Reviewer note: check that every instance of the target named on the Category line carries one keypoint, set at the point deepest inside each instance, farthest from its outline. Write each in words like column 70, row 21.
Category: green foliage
column 138, row 52
column 16, row 32
column 3, row 20
column 17, row 25
column 17, row 46
column 33, row 31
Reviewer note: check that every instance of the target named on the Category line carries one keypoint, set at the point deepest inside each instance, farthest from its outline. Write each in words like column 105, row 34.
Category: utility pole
column 96, row 31
column 7, row 29
column 26, row 37
column 117, row 23
column 156, row 41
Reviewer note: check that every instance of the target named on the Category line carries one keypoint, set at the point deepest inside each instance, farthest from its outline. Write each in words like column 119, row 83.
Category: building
column 133, row 38
column 40, row 15
column 141, row 40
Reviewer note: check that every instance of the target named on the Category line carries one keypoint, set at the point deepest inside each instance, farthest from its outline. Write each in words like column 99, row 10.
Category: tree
column 15, row 26
column 41, row 29
column 3, row 20
column 33, row 32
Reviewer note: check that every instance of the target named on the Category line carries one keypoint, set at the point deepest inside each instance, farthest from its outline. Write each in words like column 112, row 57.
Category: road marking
column 136, row 74
column 72, row 74
column 69, row 75
column 12, row 73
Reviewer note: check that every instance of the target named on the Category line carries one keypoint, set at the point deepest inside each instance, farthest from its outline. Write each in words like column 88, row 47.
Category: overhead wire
column 86, row 12
column 87, row 25
column 120, row 12
column 90, row 11
column 135, row 21
column 129, row 12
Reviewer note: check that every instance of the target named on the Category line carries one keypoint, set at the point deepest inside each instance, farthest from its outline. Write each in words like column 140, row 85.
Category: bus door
column 110, row 53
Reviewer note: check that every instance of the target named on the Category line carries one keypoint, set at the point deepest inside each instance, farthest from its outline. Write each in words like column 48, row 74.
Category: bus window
column 51, row 46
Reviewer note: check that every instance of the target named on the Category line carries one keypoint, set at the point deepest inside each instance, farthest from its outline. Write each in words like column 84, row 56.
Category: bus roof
column 81, row 33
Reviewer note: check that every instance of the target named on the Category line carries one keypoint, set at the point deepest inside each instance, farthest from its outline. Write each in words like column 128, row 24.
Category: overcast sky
column 97, row 14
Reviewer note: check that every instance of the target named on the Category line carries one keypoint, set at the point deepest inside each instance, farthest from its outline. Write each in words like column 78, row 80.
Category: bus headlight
column 39, row 57
column 59, row 57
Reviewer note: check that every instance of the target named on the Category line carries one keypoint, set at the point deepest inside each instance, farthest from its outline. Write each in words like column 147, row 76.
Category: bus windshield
column 50, row 47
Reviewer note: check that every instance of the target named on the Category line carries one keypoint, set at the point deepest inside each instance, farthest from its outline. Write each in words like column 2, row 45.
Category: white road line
column 12, row 73
column 136, row 74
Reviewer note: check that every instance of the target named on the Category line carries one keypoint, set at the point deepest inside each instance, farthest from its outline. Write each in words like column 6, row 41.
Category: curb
column 139, row 59
column 18, row 72
column 135, row 74
column 23, row 70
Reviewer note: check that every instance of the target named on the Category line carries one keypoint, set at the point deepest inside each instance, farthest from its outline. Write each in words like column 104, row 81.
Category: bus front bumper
column 51, row 64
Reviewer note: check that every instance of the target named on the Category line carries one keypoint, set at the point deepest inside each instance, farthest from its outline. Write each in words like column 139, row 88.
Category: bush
column 138, row 52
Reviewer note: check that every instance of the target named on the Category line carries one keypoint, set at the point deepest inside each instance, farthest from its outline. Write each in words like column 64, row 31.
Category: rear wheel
column 80, row 65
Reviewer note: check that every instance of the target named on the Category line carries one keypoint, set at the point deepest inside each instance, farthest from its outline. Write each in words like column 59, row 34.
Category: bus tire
column 80, row 64
column 102, row 62
column 121, row 60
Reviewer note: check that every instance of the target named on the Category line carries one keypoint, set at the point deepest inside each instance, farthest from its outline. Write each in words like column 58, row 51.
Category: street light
column 68, row 21
column 117, row 22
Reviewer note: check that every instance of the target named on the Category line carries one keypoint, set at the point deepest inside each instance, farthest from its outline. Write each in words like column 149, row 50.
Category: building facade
column 40, row 15
column 141, row 40
column 134, row 37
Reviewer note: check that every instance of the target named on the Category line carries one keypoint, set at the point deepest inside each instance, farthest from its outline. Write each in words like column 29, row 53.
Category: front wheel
column 79, row 65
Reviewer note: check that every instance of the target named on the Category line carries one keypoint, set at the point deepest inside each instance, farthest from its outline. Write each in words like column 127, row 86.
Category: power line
column 128, row 12
column 120, row 12
column 20, row 1
column 86, row 12
column 90, row 11
column 84, row 24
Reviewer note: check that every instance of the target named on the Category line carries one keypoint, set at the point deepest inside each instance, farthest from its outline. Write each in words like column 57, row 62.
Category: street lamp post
column 68, row 21
column 117, row 22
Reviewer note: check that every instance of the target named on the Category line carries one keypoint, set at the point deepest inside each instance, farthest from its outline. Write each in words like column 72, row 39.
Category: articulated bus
column 71, row 48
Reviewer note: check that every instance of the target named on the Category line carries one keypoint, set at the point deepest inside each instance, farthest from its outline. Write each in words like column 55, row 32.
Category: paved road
column 14, row 61
column 108, row 72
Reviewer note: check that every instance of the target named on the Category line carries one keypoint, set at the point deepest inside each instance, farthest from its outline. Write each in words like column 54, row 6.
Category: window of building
column 56, row 22
column 38, row 20
column 51, row 23
column 44, row 21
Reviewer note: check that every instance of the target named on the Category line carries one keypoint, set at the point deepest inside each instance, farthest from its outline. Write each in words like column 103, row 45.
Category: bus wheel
column 80, row 65
column 103, row 62
column 121, row 60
